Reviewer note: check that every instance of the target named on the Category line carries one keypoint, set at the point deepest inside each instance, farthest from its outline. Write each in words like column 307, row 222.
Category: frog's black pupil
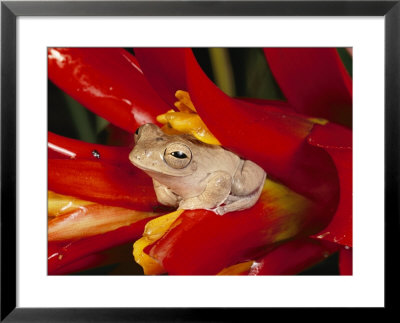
column 137, row 131
column 179, row 154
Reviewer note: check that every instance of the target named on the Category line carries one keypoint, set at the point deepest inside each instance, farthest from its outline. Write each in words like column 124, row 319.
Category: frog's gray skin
column 190, row 174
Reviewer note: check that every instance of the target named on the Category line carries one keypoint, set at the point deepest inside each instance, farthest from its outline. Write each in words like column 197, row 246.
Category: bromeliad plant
column 98, row 200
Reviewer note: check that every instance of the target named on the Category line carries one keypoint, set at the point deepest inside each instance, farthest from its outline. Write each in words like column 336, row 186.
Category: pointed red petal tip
column 109, row 82
column 346, row 261
column 293, row 257
column 314, row 81
column 103, row 183
column 60, row 147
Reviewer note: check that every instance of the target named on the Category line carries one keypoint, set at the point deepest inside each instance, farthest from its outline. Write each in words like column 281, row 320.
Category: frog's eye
column 177, row 155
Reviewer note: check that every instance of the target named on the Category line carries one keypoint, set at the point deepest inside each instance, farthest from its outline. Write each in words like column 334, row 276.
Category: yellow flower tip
column 150, row 266
column 153, row 231
column 186, row 120
column 155, row 228
column 58, row 204
column 320, row 121
column 236, row 269
column 163, row 118
column 184, row 100
column 183, row 107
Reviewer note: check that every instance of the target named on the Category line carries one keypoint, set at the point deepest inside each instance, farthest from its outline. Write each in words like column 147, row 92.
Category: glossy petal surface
column 60, row 147
column 237, row 236
column 310, row 156
column 107, row 81
column 103, row 183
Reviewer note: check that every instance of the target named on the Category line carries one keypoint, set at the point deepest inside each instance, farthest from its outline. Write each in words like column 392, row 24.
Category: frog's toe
column 220, row 210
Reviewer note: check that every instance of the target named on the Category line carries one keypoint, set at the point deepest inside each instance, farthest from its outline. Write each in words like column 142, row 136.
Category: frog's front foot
column 220, row 210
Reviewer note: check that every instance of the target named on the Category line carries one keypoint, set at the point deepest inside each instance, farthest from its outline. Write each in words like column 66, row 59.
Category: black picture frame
column 10, row 10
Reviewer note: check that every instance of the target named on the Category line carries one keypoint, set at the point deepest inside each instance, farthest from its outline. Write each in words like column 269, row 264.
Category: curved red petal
column 91, row 220
column 293, row 257
column 274, row 137
column 314, row 81
column 87, row 262
column 60, row 147
column 346, row 261
column 60, row 255
column 164, row 68
column 337, row 141
column 101, row 182
column 267, row 103
column 202, row 242
column 107, row 81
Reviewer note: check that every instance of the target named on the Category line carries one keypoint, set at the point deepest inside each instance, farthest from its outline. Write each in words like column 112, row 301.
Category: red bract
column 311, row 157
column 97, row 173
column 314, row 81
column 161, row 70
column 346, row 261
column 60, row 147
column 202, row 242
column 108, row 81
column 337, row 141
column 103, row 183
column 92, row 219
column 68, row 253
column 293, row 257
column 283, row 153
column 291, row 150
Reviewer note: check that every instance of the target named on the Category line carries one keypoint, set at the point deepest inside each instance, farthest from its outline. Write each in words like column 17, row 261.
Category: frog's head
column 160, row 154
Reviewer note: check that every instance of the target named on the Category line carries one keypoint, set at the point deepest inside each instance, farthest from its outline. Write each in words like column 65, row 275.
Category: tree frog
column 190, row 174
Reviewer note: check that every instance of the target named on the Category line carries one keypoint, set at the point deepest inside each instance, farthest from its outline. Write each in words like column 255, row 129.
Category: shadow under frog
column 190, row 174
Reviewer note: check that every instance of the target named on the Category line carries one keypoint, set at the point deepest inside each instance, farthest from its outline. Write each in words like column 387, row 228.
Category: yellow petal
column 184, row 101
column 189, row 123
column 186, row 120
column 92, row 220
column 150, row 266
column 167, row 129
column 60, row 204
column 162, row 118
column 153, row 231
column 236, row 269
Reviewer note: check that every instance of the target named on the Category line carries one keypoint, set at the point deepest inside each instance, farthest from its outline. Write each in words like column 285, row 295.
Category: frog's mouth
column 164, row 171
